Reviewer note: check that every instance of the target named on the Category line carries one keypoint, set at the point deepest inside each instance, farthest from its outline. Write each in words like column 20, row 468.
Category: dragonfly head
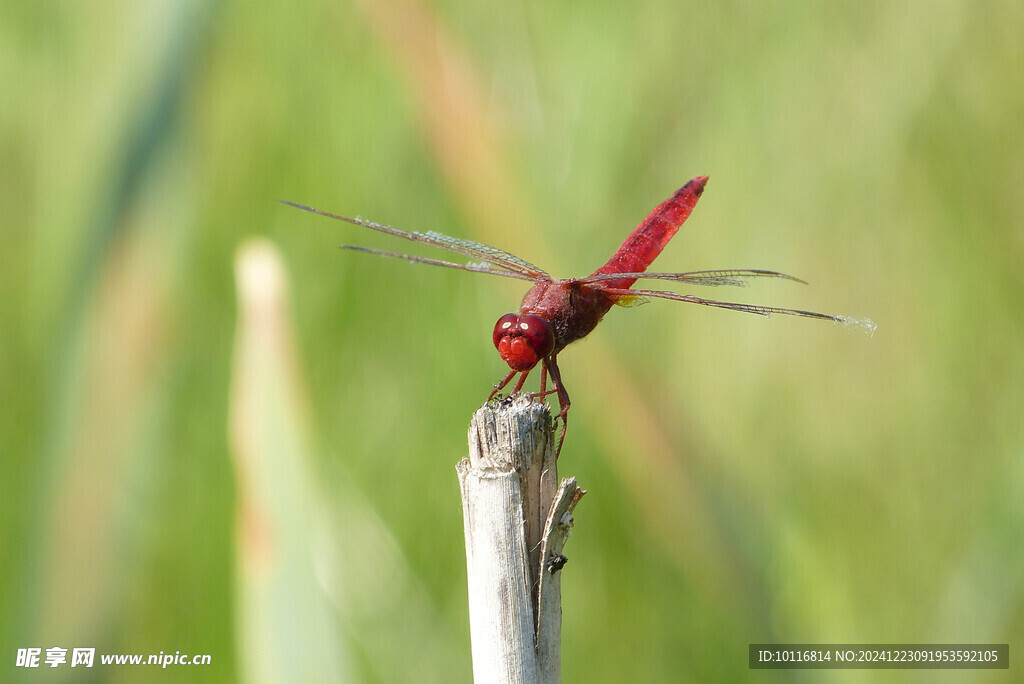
column 522, row 341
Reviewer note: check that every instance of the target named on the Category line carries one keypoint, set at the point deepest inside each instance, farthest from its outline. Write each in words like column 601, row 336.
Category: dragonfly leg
column 519, row 383
column 508, row 378
column 501, row 385
column 543, row 384
column 563, row 398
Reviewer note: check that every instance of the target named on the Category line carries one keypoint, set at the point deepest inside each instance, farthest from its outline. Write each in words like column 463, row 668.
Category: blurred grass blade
column 284, row 624
column 302, row 559
column 102, row 445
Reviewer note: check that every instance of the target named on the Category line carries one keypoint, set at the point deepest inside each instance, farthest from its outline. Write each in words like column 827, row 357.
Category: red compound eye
column 538, row 332
column 504, row 326
column 522, row 341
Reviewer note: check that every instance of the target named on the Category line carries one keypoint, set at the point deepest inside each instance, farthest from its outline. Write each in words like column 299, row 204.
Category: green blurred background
column 279, row 490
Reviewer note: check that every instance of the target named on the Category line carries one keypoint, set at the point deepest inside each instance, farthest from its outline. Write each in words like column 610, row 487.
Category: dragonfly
column 556, row 312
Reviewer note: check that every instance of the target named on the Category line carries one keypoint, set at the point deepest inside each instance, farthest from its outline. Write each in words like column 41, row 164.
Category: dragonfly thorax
column 522, row 341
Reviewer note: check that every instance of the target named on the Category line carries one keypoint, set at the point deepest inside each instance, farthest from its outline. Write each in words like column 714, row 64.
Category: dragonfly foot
column 541, row 395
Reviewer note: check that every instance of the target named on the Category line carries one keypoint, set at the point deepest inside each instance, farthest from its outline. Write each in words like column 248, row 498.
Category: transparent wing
column 476, row 268
column 468, row 248
column 629, row 295
column 736, row 277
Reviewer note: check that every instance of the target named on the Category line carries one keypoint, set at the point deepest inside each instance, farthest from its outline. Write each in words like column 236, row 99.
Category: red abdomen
column 646, row 242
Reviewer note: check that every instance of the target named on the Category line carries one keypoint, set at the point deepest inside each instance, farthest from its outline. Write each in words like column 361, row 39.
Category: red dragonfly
column 555, row 313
